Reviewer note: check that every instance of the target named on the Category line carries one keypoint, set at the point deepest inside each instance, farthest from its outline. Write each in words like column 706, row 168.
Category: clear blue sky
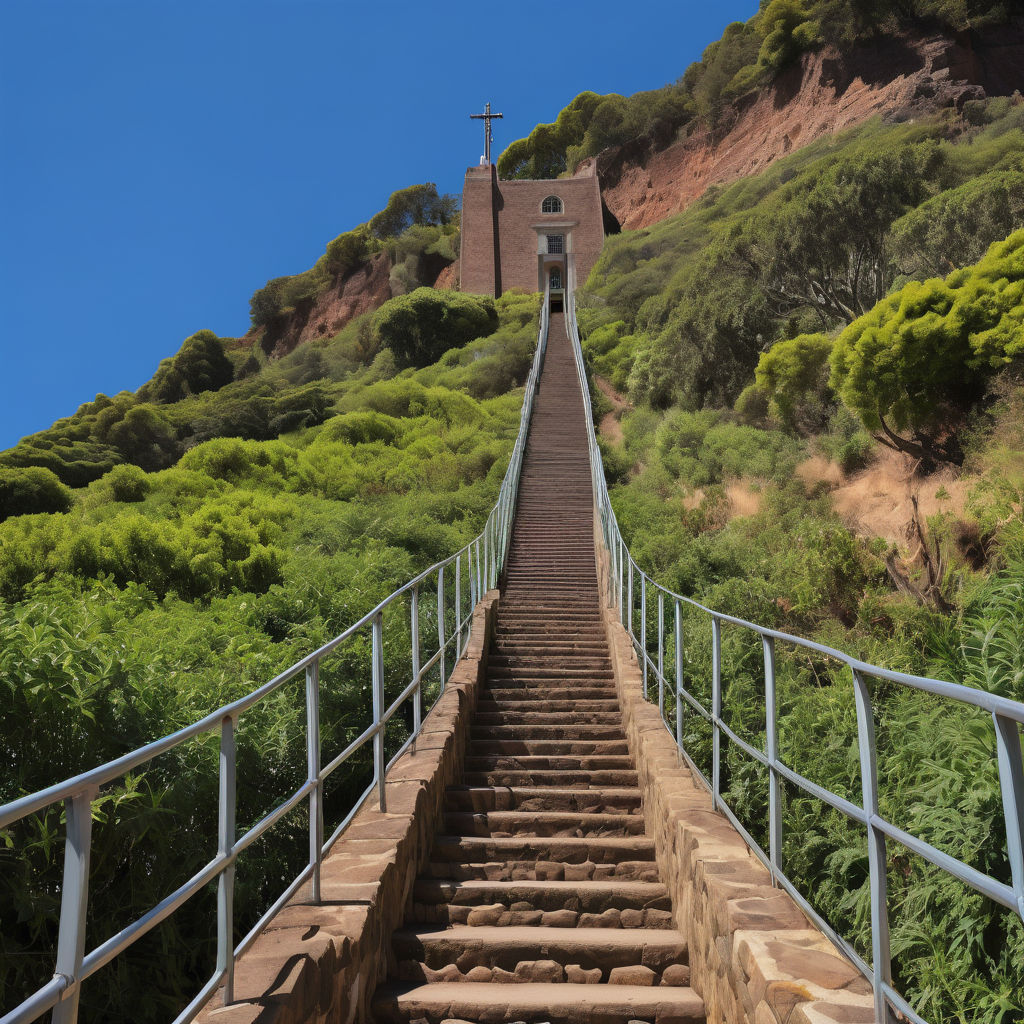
column 159, row 161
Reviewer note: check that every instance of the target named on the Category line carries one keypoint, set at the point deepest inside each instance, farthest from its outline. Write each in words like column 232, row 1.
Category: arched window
column 556, row 278
column 551, row 205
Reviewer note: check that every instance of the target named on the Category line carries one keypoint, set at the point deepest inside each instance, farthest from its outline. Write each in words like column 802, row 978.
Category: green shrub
column 200, row 365
column 420, row 327
column 30, row 490
column 127, row 483
column 918, row 362
column 794, row 374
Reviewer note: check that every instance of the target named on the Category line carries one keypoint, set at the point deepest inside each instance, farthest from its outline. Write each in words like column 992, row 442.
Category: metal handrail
column 624, row 576
column 481, row 561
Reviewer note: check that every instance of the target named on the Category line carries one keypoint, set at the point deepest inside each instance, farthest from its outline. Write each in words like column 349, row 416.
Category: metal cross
column 486, row 117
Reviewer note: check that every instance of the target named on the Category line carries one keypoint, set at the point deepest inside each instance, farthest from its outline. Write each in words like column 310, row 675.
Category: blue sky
column 159, row 161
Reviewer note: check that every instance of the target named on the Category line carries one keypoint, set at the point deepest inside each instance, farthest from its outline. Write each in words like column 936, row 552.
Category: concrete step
column 500, row 1003
column 504, row 693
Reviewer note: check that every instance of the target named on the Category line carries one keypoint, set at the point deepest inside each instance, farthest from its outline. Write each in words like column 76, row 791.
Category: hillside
column 899, row 78
column 806, row 345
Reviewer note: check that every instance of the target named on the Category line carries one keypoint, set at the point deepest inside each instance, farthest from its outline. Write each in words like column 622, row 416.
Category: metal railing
column 475, row 567
column 624, row 578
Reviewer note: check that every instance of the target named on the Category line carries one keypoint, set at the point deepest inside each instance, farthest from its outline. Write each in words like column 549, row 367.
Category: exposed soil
column 876, row 502
column 610, row 425
column 899, row 78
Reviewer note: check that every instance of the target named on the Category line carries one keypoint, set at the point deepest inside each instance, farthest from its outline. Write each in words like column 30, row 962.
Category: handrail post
column 622, row 581
column 661, row 653
column 417, row 693
column 226, row 805
column 771, row 727
column 316, row 807
column 1011, row 779
column 377, row 675
column 679, row 673
column 440, row 623
column 458, row 607
column 881, row 956
column 643, row 627
column 716, row 711
column 74, row 902
column 629, row 602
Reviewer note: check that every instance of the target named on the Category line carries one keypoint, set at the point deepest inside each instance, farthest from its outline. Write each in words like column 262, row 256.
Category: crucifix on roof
column 486, row 117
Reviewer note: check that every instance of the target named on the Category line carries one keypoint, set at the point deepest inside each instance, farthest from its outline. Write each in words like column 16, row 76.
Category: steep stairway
column 542, row 900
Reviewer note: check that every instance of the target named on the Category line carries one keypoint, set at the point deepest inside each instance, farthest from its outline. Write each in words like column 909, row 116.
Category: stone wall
column 321, row 962
column 754, row 957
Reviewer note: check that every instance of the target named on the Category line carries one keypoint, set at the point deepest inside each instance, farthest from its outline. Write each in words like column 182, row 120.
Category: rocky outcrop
column 898, row 78
column 366, row 288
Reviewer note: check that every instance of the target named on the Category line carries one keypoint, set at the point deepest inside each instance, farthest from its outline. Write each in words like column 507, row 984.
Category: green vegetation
column 783, row 324
column 682, row 311
column 921, row 358
column 415, row 223
column 747, row 57
column 251, row 524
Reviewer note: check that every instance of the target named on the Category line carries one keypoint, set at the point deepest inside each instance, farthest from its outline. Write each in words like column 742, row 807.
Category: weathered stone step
column 580, row 730
column 592, row 949
column 563, row 779
column 604, row 850
column 543, row 823
column 548, row 762
column 584, row 748
column 487, row 705
column 516, row 715
column 534, row 672
column 504, row 694
column 587, row 899
column 534, row 870
column 542, row 659
column 499, row 1003
column 544, row 798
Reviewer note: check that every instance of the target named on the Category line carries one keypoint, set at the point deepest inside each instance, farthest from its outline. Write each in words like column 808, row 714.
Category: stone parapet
column 755, row 958
column 322, row 962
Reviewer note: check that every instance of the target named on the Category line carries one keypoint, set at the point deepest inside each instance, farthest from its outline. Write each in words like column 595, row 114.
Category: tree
column 417, row 204
column 822, row 242
column 421, row 326
column 914, row 366
column 200, row 365
column 794, row 374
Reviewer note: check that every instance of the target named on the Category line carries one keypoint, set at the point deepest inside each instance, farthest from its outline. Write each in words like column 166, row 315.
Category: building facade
column 524, row 234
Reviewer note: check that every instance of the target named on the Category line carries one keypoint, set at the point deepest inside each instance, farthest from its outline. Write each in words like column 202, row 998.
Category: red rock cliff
column 896, row 77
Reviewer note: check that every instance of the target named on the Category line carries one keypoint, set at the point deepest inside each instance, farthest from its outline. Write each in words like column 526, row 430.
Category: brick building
column 520, row 234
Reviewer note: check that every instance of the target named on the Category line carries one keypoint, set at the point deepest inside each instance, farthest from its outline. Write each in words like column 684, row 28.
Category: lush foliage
column 746, row 57
column 422, row 326
column 682, row 311
column 289, row 504
column 721, row 324
column 920, row 359
column 418, row 206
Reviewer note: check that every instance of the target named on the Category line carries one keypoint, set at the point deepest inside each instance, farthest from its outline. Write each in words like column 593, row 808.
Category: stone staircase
column 541, row 900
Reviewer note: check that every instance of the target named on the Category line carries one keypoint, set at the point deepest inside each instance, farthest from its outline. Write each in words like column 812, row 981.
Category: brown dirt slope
column 898, row 78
